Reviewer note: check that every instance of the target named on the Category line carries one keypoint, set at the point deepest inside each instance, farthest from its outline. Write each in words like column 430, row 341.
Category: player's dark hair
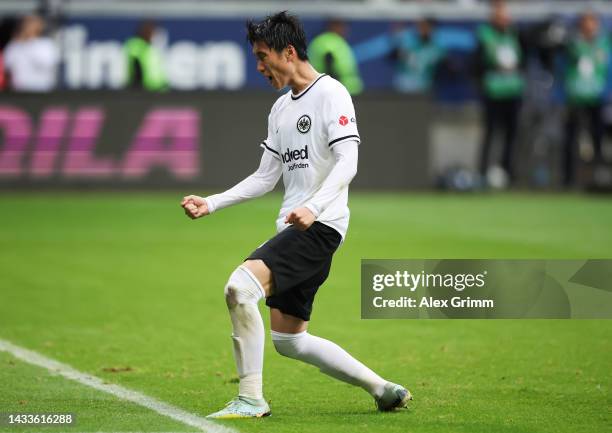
column 279, row 31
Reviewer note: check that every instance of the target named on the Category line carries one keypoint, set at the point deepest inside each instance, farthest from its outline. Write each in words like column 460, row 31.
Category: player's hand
column 301, row 218
column 195, row 206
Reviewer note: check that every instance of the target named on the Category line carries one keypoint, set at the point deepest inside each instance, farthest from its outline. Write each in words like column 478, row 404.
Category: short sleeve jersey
column 302, row 131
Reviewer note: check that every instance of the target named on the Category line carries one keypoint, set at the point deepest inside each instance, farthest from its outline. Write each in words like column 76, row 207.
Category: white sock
column 330, row 358
column 242, row 293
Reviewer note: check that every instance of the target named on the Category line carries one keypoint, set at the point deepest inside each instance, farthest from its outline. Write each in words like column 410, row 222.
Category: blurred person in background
column 588, row 55
column 548, row 40
column 543, row 111
column 2, row 73
column 7, row 28
column 416, row 58
column 331, row 54
column 144, row 61
column 31, row 59
column 499, row 69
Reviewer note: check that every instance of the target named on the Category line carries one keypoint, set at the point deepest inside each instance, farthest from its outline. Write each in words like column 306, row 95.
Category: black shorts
column 300, row 263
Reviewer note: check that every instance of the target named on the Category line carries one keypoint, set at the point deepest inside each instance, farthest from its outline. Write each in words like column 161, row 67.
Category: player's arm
column 344, row 170
column 255, row 185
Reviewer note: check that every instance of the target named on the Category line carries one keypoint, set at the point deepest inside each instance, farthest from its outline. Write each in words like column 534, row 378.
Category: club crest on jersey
column 303, row 124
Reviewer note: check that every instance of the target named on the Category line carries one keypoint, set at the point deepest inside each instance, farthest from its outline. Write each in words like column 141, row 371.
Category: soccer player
column 312, row 142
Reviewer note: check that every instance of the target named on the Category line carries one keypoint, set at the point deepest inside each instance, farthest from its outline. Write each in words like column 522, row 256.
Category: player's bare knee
column 242, row 288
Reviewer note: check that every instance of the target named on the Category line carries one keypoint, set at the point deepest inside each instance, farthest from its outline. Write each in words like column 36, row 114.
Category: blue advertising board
column 213, row 54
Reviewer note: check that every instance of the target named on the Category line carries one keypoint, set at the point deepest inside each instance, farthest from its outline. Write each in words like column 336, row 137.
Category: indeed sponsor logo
column 294, row 155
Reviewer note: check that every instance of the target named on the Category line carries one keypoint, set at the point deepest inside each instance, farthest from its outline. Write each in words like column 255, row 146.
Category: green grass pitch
column 126, row 282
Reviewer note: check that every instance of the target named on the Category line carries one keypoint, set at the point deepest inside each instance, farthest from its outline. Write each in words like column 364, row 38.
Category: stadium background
column 99, row 268
column 207, row 57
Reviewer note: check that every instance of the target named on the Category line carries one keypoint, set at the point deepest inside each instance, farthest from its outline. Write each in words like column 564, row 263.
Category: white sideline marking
column 118, row 391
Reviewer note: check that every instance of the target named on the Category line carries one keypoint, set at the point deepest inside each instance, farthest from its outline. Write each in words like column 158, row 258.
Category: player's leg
column 291, row 339
column 489, row 122
column 597, row 131
column 511, row 111
column 249, row 283
column 286, row 323
column 570, row 145
column 263, row 274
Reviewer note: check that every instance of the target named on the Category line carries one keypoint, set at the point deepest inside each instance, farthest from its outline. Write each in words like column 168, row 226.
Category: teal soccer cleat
column 395, row 396
column 243, row 407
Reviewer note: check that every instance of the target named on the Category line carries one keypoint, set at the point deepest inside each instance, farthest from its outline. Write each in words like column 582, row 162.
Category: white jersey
column 302, row 130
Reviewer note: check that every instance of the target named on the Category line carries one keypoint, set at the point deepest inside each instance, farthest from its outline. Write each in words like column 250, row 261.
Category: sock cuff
column 254, row 279
column 282, row 336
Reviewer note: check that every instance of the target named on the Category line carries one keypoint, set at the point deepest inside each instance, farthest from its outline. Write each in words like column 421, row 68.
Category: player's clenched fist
column 301, row 218
column 195, row 206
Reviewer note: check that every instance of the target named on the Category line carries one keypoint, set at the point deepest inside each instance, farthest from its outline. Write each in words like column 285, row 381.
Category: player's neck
column 303, row 77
